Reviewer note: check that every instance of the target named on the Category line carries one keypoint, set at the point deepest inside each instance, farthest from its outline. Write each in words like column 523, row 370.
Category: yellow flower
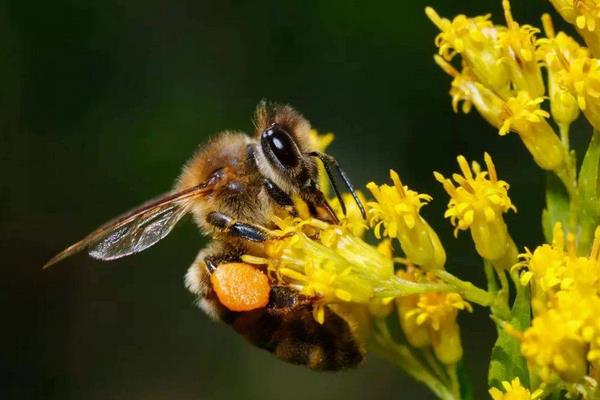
column 517, row 44
column 331, row 265
column 556, row 52
column 554, row 346
column 556, row 267
column 523, row 115
column 430, row 318
column 584, row 15
column 545, row 265
column 477, row 203
column 514, row 391
column 591, row 334
column 502, row 78
column 501, row 58
column 353, row 219
column 416, row 334
column 396, row 209
column 475, row 40
column 467, row 89
column 521, row 110
column 335, row 267
column 581, row 77
column 565, row 333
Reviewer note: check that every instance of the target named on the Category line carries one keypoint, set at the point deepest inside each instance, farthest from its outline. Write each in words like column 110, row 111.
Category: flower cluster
column 393, row 266
column 564, row 338
column 501, row 77
column 584, row 15
column 335, row 265
column 507, row 72
column 331, row 264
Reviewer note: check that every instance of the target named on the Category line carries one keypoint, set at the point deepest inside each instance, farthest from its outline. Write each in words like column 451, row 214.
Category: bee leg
column 329, row 161
column 320, row 208
column 214, row 260
column 284, row 298
column 211, row 263
column 280, row 197
column 234, row 228
column 197, row 278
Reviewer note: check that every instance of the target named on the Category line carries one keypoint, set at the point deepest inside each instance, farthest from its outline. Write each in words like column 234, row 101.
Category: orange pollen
column 240, row 287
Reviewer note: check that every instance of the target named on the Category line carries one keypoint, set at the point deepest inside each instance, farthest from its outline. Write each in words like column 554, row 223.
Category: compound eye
column 282, row 146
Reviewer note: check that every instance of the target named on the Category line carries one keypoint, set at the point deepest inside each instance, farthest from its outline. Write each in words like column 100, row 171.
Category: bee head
column 284, row 145
column 288, row 159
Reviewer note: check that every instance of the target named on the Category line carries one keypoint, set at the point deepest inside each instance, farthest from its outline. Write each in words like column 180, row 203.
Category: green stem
column 573, row 200
column 401, row 355
column 492, row 282
column 398, row 287
column 564, row 136
column 466, row 289
column 455, row 385
column 568, row 176
column 475, row 295
column 501, row 267
column 434, row 364
column 504, row 287
column 504, row 292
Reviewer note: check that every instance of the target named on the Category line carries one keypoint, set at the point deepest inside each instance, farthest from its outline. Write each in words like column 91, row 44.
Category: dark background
column 100, row 105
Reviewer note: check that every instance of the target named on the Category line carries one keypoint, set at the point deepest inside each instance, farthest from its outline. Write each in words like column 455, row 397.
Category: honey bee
column 233, row 186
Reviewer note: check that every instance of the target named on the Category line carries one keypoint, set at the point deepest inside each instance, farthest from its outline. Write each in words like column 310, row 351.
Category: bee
column 233, row 186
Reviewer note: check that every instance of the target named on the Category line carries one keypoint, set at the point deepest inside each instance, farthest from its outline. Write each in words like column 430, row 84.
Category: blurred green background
column 100, row 105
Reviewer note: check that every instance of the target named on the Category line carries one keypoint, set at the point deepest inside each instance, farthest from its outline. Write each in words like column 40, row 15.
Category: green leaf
column 506, row 361
column 588, row 195
column 556, row 395
column 557, row 205
column 466, row 387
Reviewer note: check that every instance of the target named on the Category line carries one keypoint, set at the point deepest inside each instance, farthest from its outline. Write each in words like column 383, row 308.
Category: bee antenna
column 328, row 161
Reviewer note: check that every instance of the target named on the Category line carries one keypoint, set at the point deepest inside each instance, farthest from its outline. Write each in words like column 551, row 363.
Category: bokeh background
column 100, row 105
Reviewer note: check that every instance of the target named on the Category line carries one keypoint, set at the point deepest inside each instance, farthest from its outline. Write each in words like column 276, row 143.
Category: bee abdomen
column 294, row 336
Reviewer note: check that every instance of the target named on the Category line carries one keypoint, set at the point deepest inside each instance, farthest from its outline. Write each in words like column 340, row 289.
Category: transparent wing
column 140, row 233
column 139, row 229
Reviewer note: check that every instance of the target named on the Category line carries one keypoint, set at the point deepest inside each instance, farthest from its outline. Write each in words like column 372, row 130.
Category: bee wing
column 138, row 229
